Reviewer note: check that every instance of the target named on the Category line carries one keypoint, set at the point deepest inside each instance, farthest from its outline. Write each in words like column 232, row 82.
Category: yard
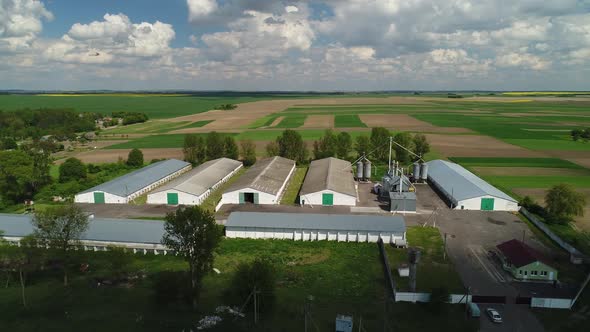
column 292, row 190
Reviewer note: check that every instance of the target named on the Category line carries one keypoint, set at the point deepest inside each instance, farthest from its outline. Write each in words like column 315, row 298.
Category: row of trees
column 62, row 123
column 580, row 134
column 130, row 117
column 562, row 204
column 376, row 146
column 200, row 148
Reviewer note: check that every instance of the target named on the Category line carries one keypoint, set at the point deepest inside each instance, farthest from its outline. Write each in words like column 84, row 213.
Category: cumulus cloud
column 20, row 22
column 198, row 9
column 522, row 60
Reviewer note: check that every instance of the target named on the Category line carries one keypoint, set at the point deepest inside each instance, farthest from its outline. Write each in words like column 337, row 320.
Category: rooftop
column 403, row 194
column 519, row 253
column 202, row 178
column 461, row 183
column 329, row 174
column 100, row 229
column 345, row 222
column 129, row 183
column 267, row 175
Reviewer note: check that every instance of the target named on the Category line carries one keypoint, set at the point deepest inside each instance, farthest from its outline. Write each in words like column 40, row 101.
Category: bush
column 72, row 169
column 171, row 287
column 259, row 273
column 135, row 158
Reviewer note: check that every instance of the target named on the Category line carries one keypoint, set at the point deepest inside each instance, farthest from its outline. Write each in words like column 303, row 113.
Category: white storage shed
column 196, row 185
column 328, row 182
column 465, row 190
column 129, row 186
column 263, row 183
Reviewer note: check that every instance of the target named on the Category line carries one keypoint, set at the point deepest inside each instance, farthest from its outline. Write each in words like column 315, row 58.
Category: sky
column 329, row 45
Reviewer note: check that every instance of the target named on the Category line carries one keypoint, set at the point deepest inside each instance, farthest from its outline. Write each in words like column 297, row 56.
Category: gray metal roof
column 200, row 179
column 99, row 229
column 461, row 183
column 129, row 183
column 348, row 222
column 267, row 175
column 329, row 174
column 403, row 195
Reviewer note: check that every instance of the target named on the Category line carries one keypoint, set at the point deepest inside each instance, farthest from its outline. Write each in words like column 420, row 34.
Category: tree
column 16, row 176
column 60, row 227
column 248, row 152
column 421, row 145
column 215, row 145
column 259, row 275
column 272, row 149
column 189, row 150
column 72, row 169
column 291, row 146
column 135, row 158
column 8, row 143
column 576, row 134
column 362, row 145
column 230, row 148
column 405, row 140
column 563, row 203
column 380, row 143
column 193, row 234
column 326, row 146
column 343, row 145
column 40, row 151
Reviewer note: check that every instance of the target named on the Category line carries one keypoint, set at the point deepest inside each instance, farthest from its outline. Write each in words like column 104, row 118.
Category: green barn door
column 241, row 198
column 172, row 198
column 98, row 198
column 487, row 204
column 327, row 199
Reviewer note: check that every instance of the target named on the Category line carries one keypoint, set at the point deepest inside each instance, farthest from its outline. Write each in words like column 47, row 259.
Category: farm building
column 328, row 181
column 139, row 235
column 263, row 183
column 129, row 186
column 524, row 262
column 194, row 186
column 316, row 227
column 465, row 190
column 404, row 202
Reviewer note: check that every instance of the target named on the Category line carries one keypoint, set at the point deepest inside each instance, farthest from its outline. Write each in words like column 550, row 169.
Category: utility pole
column 523, row 235
column 389, row 163
column 445, row 248
column 255, row 306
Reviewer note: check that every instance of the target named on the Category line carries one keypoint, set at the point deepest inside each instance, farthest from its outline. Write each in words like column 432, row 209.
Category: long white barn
column 193, row 187
column 465, row 190
column 316, row 227
column 328, row 182
column 130, row 186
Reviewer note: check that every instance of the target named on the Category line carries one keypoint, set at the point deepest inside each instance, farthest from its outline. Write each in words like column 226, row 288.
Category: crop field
column 348, row 121
column 515, row 162
column 293, row 121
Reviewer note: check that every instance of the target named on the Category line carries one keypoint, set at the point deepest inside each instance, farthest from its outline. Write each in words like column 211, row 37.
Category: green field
column 348, row 121
column 158, row 141
column 292, row 190
column 342, row 277
column 292, row 121
column 514, row 162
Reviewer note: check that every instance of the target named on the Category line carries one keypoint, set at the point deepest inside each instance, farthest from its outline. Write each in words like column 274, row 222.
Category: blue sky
column 295, row 45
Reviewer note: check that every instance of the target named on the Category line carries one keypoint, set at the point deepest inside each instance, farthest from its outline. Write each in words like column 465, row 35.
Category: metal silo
column 424, row 172
column 359, row 170
column 416, row 171
column 367, row 171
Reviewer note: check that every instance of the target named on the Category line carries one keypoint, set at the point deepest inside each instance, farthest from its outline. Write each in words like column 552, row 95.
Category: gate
column 523, row 300
column 488, row 299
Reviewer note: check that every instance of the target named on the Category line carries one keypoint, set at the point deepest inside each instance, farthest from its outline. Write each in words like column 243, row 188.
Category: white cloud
column 522, row 60
column 197, row 9
column 20, row 22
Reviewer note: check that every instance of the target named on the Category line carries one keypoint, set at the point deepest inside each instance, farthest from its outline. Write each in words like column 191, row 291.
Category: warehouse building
column 130, row 186
column 328, row 181
column 139, row 235
column 465, row 190
column 193, row 187
column 524, row 262
column 263, row 183
column 316, row 227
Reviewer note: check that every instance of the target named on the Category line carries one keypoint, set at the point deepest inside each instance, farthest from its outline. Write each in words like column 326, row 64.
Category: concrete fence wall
column 539, row 302
column 425, row 297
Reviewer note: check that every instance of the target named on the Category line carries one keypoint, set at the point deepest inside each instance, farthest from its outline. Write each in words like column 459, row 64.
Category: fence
column 387, row 268
column 425, row 297
column 539, row 302
column 576, row 257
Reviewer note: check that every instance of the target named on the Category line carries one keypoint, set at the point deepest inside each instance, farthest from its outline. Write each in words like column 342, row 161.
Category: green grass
column 214, row 198
column 292, row 191
column 54, row 172
column 432, row 263
column 348, row 121
column 537, row 181
column 292, row 121
column 514, row 162
column 157, row 141
column 555, row 144
column 197, row 124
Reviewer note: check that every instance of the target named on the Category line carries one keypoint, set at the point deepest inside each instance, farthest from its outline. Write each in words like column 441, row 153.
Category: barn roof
column 99, row 229
column 329, row 174
column 519, row 253
column 129, row 183
column 202, row 178
column 345, row 222
column 461, row 183
column 267, row 175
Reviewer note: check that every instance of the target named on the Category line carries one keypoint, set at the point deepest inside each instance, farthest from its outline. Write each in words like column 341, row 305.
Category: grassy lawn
column 430, row 243
column 544, row 144
column 348, row 121
column 292, row 121
column 290, row 196
column 211, row 201
column 515, row 162
column 507, row 181
column 342, row 277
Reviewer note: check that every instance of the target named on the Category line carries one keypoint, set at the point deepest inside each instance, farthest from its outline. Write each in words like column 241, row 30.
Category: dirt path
column 476, row 146
column 319, row 121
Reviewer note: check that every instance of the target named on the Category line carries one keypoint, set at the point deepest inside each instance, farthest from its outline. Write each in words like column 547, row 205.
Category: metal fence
column 386, row 267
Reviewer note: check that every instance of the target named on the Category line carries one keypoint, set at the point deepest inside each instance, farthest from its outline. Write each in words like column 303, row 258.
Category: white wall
column 161, row 197
column 233, row 197
column 339, row 199
column 475, row 204
column 108, row 198
column 551, row 303
column 310, row 234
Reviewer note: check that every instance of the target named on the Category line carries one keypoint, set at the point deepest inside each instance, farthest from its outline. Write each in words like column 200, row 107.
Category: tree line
column 562, row 204
column 580, row 134
column 35, row 123
column 198, row 149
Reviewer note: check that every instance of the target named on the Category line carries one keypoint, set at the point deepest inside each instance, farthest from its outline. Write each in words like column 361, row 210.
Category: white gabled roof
column 461, row 183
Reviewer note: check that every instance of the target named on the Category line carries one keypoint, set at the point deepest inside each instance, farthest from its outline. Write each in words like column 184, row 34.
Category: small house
column 524, row 262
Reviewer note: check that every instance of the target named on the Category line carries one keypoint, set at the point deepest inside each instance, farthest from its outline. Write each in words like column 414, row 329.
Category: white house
column 193, row 187
column 263, row 183
column 465, row 190
column 328, row 181
column 132, row 185
column 316, row 227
